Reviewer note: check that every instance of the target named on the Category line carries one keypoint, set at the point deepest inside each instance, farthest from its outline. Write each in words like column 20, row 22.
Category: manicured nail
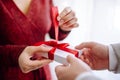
column 68, row 9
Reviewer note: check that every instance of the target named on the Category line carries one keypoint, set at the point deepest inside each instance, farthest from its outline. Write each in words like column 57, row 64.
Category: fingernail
column 76, row 25
column 68, row 9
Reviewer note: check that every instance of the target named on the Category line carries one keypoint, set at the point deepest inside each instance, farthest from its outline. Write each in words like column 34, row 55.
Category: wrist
column 107, row 58
column 64, row 31
column 112, row 59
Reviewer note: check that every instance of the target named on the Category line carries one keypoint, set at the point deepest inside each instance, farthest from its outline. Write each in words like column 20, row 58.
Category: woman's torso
column 18, row 28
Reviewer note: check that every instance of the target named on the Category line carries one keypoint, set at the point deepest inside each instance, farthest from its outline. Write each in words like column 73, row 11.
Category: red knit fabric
column 18, row 30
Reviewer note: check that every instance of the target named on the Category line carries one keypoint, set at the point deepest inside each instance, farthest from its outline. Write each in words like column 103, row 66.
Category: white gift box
column 60, row 55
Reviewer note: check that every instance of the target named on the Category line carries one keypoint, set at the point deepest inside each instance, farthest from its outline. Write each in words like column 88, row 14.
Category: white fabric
column 87, row 76
column 112, row 59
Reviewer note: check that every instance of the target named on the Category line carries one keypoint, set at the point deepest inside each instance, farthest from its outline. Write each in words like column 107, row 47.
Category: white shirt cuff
column 112, row 59
column 87, row 76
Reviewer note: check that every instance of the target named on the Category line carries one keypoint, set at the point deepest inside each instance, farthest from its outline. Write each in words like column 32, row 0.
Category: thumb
column 42, row 49
column 40, row 63
column 72, row 59
column 59, row 69
column 85, row 45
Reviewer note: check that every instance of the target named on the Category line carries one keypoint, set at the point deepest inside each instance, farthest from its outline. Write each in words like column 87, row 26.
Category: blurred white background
column 99, row 21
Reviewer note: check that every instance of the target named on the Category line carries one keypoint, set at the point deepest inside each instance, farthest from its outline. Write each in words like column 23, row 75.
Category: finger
column 85, row 54
column 39, row 63
column 68, row 17
column 69, row 23
column 85, row 45
column 88, row 63
column 72, row 59
column 81, row 57
column 88, row 59
column 59, row 69
column 86, row 51
column 70, row 27
column 33, row 65
column 74, row 25
column 44, row 48
column 41, row 49
column 64, row 13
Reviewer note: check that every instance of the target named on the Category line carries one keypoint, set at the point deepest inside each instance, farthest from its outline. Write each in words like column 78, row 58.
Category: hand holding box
column 59, row 51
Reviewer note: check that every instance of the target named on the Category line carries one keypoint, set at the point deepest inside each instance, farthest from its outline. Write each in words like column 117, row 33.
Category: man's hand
column 70, row 72
column 95, row 55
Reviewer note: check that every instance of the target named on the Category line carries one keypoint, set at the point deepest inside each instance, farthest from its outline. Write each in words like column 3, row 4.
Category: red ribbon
column 55, row 21
column 55, row 45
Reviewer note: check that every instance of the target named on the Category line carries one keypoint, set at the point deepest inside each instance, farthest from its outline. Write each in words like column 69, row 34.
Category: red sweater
column 17, row 31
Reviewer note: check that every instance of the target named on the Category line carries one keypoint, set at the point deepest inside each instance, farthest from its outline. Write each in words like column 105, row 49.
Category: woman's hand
column 67, row 19
column 27, row 64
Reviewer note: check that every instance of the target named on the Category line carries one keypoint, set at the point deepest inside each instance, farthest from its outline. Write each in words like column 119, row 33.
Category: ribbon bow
column 55, row 45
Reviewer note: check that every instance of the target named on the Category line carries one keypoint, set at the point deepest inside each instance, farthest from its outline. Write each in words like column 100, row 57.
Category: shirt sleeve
column 116, row 48
column 112, row 59
column 112, row 66
column 61, row 35
column 87, row 76
column 9, row 54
